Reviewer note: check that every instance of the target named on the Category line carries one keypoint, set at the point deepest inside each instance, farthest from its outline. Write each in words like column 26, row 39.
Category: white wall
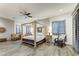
column 9, row 25
column 68, row 19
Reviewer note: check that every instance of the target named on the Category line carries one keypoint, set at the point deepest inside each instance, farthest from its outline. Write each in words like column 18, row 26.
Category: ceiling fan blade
column 24, row 12
column 30, row 16
column 28, row 13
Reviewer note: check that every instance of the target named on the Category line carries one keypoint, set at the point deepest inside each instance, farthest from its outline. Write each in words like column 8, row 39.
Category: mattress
column 31, row 37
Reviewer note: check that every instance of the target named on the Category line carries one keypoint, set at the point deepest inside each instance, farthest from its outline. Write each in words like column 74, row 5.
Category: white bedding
column 31, row 37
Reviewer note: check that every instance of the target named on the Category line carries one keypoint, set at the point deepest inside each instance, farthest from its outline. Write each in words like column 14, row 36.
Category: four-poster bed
column 33, row 38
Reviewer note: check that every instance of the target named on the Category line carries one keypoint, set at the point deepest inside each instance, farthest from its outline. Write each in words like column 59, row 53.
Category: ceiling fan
column 25, row 13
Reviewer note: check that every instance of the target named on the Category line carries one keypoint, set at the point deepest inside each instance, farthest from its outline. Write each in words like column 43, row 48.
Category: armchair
column 15, row 37
column 60, row 41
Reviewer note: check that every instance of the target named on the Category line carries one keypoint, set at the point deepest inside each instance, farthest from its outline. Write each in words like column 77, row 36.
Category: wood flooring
column 16, row 48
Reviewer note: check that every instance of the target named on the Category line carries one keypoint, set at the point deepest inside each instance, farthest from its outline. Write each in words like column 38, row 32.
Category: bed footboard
column 31, row 42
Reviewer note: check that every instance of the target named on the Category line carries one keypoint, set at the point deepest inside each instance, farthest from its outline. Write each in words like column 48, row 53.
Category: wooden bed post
column 34, row 34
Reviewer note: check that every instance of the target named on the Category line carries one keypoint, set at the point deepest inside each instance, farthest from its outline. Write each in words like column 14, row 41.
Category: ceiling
column 38, row 10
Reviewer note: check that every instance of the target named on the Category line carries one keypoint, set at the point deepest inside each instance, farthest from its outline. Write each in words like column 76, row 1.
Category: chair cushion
column 62, row 36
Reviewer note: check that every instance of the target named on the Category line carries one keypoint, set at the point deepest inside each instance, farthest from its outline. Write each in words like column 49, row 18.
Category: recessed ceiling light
column 61, row 10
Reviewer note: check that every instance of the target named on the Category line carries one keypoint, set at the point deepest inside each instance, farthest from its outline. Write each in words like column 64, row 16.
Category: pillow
column 39, row 34
column 55, row 36
column 62, row 36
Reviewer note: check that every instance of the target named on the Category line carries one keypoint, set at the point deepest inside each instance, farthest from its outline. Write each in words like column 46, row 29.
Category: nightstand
column 49, row 39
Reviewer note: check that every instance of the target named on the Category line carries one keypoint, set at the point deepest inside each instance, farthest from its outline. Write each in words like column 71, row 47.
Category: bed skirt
column 31, row 42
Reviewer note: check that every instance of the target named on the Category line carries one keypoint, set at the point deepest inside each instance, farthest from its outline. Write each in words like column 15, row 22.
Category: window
column 28, row 29
column 18, row 30
column 58, row 27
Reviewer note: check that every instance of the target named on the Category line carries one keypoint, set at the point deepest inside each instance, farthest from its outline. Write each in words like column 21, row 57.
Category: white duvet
column 31, row 37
